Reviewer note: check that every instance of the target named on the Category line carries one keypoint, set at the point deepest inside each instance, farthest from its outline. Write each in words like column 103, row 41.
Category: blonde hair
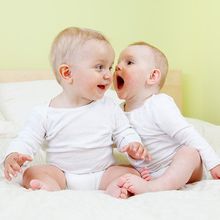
column 67, row 43
column 160, row 60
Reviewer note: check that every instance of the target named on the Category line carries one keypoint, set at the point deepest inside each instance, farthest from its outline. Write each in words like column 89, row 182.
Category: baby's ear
column 154, row 77
column 65, row 73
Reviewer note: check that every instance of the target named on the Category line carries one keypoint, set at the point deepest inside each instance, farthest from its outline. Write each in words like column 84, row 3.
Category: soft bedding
column 195, row 201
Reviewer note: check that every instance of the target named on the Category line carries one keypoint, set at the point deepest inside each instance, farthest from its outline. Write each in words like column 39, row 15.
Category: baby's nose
column 108, row 75
column 118, row 67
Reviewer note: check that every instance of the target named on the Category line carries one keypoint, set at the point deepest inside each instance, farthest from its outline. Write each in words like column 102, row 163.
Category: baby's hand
column 137, row 151
column 215, row 172
column 13, row 163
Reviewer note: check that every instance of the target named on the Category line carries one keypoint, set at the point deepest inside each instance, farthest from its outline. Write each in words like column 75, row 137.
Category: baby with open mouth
column 177, row 149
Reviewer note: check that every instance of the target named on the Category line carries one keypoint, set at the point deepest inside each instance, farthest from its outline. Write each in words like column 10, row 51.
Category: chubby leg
column 186, row 167
column 111, row 181
column 46, row 177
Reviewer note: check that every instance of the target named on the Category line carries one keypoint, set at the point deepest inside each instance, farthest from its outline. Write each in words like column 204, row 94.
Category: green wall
column 187, row 31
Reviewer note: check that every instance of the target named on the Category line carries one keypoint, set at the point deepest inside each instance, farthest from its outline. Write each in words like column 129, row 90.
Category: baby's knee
column 27, row 176
column 192, row 152
column 30, row 173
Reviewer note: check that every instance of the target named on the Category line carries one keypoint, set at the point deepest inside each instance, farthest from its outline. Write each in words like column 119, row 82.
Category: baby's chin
column 98, row 97
column 121, row 95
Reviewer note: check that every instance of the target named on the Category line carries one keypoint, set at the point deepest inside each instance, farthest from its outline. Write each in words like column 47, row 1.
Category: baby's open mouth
column 101, row 86
column 120, row 82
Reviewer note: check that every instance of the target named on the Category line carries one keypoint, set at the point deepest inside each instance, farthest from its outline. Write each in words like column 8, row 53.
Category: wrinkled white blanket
column 197, row 201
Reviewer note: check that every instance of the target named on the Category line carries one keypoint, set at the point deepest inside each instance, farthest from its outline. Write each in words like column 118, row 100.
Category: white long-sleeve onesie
column 79, row 140
column 163, row 130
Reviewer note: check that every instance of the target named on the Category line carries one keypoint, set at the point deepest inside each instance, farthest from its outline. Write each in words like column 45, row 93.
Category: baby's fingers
column 146, row 155
column 137, row 153
column 125, row 148
column 9, row 172
column 23, row 158
column 15, row 166
column 136, row 147
column 6, row 173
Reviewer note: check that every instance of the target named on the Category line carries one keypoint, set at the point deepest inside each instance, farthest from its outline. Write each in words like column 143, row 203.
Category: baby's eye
column 129, row 62
column 110, row 68
column 99, row 67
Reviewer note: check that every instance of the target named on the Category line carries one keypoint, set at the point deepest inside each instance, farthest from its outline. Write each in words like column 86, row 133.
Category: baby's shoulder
column 161, row 97
column 162, row 103
column 40, row 110
column 159, row 101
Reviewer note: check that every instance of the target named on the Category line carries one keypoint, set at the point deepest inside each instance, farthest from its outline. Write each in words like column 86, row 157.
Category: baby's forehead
column 137, row 51
column 94, row 50
column 95, row 44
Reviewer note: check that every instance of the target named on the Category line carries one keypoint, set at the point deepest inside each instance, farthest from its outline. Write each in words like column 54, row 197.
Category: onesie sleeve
column 168, row 117
column 123, row 133
column 32, row 136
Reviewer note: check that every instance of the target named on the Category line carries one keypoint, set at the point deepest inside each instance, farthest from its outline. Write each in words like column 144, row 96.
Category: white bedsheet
column 198, row 201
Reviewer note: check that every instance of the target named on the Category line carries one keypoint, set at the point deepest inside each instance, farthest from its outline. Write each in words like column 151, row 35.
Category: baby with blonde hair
column 178, row 151
column 79, row 125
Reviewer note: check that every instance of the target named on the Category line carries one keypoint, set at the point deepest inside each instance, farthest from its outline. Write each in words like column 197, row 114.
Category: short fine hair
column 160, row 60
column 67, row 43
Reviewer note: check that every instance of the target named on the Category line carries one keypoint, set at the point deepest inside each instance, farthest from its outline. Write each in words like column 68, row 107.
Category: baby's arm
column 13, row 163
column 25, row 145
column 126, row 138
column 209, row 157
column 174, row 124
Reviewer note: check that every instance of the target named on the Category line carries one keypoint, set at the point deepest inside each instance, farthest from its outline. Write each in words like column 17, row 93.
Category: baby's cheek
column 111, row 79
column 130, row 80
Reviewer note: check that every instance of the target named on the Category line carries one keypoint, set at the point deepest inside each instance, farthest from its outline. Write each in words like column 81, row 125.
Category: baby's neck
column 65, row 101
column 137, row 101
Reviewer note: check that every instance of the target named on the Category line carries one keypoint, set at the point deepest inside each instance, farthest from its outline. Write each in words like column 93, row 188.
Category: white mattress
column 198, row 201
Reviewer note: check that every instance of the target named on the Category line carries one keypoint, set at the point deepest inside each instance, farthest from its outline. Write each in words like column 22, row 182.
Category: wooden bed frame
column 172, row 85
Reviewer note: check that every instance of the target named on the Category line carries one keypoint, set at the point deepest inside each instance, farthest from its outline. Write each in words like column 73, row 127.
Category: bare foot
column 36, row 184
column 134, row 184
column 116, row 190
column 145, row 173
